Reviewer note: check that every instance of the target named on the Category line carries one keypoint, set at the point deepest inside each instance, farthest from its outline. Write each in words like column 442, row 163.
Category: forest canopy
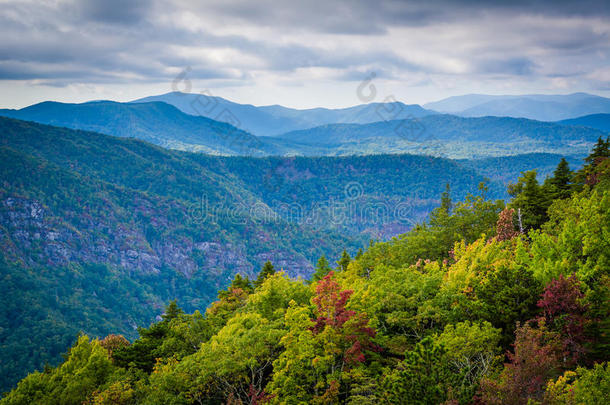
column 485, row 302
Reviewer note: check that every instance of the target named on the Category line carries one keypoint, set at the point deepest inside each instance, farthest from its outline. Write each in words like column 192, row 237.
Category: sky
column 300, row 54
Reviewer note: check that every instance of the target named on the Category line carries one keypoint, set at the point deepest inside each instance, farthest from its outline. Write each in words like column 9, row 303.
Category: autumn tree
column 563, row 310
column 331, row 311
column 114, row 342
column 505, row 227
column 321, row 347
column 534, row 360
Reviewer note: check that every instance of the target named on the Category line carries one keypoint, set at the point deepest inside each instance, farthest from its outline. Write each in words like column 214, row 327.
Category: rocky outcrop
column 34, row 235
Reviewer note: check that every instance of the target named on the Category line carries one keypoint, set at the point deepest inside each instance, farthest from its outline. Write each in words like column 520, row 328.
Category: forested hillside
column 485, row 302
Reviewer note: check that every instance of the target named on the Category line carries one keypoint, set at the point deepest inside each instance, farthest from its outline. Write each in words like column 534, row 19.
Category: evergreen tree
column 265, row 272
column 446, row 204
column 601, row 150
column 440, row 215
column 590, row 173
column 532, row 199
column 322, row 269
column 242, row 282
column 561, row 180
column 421, row 378
column 172, row 311
column 344, row 261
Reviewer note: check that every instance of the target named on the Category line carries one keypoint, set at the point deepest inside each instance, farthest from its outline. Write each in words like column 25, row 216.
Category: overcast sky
column 300, row 54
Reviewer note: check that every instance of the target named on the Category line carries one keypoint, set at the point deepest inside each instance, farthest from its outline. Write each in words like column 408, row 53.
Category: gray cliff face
column 35, row 236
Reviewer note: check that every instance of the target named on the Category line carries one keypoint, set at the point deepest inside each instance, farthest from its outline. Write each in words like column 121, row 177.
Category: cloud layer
column 302, row 53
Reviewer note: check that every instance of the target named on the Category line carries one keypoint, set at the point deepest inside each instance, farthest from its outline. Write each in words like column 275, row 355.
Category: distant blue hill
column 536, row 106
column 451, row 136
column 597, row 121
column 158, row 123
column 275, row 119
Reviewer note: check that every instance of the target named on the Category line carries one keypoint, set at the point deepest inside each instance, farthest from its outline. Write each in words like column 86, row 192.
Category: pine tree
column 439, row 215
column 590, row 173
column 242, row 282
column 532, row 199
column 601, row 150
column 446, row 204
column 265, row 272
column 561, row 180
column 322, row 269
column 344, row 261
column 172, row 311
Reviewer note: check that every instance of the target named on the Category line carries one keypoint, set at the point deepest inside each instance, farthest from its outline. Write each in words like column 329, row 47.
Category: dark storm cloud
column 112, row 41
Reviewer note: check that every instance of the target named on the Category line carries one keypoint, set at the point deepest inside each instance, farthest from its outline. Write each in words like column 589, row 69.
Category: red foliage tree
column 563, row 310
column 534, row 361
column 331, row 311
column 258, row 398
column 505, row 228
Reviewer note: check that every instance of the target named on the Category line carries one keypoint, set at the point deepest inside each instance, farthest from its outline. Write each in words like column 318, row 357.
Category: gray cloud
column 113, row 11
column 240, row 42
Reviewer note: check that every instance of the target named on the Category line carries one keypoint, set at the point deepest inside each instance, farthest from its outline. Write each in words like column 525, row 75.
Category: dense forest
column 485, row 302
column 120, row 227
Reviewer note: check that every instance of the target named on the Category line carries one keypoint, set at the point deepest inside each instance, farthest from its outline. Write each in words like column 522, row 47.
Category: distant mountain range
column 274, row 120
column 438, row 134
column 536, row 106
column 451, row 136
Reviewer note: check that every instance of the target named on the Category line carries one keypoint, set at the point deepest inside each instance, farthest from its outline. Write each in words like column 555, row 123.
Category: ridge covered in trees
column 486, row 302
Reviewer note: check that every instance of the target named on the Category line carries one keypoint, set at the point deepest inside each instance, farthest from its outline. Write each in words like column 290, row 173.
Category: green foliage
column 472, row 350
column 530, row 200
column 265, row 272
column 561, row 182
column 582, row 386
column 322, row 269
column 424, row 319
column 421, row 378
column 576, row 240
column 86, row 368
column 344, row 261
column 507, row 296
